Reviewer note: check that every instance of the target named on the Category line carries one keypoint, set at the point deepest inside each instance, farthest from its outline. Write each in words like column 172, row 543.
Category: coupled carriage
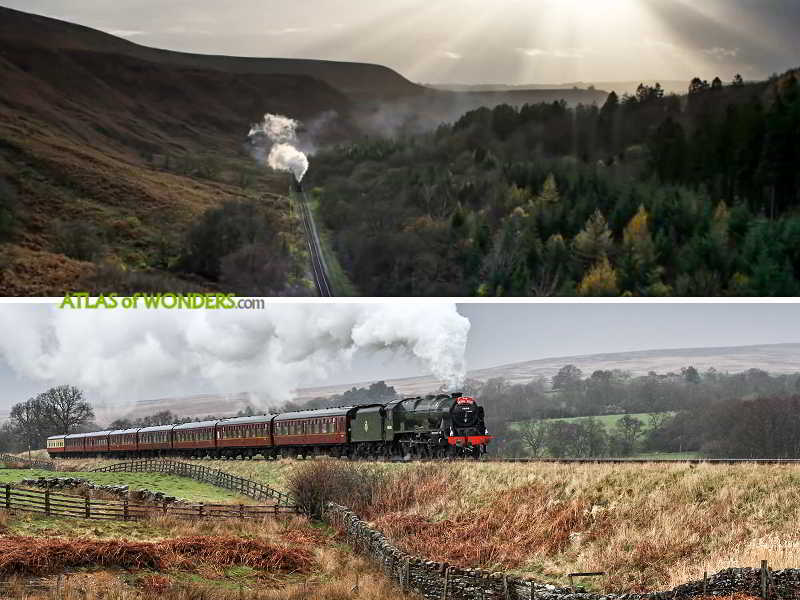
column 434, row 427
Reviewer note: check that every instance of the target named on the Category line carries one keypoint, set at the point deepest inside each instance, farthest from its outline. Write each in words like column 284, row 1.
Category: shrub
column 8, row 203
column 110, row 277
column 255, row 270
column 224, row 232
column 317, row 482
column 78, row 239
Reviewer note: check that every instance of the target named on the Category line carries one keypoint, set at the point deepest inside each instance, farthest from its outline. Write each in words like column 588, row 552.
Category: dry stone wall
column 85, row 487
column 440, row 581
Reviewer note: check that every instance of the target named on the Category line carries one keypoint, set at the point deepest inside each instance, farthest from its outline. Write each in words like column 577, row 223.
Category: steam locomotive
column 439, row 426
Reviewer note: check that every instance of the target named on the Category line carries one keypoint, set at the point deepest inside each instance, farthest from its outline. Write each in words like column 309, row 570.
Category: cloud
column 126, row 32
column 652, row 43
column 554, row 53
column 184, row 30
column 452, row 55
column 721, row 53
column 125, row 355
column 289, row 30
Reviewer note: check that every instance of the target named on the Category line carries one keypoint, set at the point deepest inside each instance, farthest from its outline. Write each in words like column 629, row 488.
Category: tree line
column 714, row 414
column 648, row 195
column 60, row 409
column 752, row 414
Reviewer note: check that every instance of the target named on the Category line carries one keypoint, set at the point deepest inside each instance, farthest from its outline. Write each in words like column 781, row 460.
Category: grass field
column 669, row 456
column 608, row 421
column 648, row 527
column 284, row 558
column 181, row 487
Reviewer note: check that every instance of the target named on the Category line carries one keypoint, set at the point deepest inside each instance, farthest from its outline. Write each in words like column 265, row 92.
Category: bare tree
column 533, row 434
column 629, row 430
column 30, row 420
column 657, row 420
column 66, row 407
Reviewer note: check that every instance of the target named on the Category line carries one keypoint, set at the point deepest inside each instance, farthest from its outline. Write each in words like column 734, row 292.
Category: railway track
column 615, row 461
column 318, row 267
column 657, row 461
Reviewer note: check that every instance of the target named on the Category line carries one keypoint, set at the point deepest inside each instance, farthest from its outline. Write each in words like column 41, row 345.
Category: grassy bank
column 163, row 558
column 648, row 527
column 181, row 487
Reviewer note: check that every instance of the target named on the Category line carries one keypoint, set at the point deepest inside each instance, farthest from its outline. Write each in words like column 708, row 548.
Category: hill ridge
column 203, row 404
column 350, row 77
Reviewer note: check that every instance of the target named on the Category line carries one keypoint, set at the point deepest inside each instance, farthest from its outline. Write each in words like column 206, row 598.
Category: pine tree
column 595, row 241
column 640, row 273
column 549, row 195
column 601, row 280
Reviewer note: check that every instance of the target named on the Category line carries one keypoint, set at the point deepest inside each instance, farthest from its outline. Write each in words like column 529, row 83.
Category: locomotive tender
column 441, row 426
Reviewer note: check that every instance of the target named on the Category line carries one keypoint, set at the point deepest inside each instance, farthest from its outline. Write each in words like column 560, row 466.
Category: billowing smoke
column 120, row 356
column 284, row 155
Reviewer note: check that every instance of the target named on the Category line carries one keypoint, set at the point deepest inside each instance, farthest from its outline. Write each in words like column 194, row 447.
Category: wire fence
column 64, row 505
column 216, row 477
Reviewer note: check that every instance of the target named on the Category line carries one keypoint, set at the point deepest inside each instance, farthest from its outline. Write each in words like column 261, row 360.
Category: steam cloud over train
column 442, row 426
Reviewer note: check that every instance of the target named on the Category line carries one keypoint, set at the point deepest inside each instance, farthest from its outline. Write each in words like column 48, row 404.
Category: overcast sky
column 499, row 334
column 470, row 41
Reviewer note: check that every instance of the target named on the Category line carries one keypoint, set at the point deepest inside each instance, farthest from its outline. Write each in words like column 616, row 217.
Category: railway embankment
column 440, row 581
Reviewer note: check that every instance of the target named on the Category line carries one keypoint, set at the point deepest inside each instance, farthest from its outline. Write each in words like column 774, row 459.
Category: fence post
column 200, row 509
column 764, row 572
column 8, row 496
column 125, row 510
column 705, row 582
column 88, row 507
column 505, row 587
column 47, row 502
column 446, row 581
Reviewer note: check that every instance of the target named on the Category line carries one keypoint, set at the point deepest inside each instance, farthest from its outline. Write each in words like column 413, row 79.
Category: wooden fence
column 65, row 505
column 216, row 477
column 29, row 463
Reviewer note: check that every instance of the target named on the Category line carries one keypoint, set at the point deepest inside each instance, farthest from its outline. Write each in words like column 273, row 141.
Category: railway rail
column 616, row 461
column 318, row 266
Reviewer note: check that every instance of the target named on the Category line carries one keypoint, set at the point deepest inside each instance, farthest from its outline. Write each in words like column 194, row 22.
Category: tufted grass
column 172, row 485
column 647, row 526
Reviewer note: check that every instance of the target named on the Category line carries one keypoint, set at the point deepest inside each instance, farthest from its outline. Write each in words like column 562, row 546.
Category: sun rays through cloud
column 474, row 41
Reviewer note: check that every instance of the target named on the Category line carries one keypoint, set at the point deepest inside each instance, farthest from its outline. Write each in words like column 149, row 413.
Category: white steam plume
column 282, row 133
column 120, row 356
